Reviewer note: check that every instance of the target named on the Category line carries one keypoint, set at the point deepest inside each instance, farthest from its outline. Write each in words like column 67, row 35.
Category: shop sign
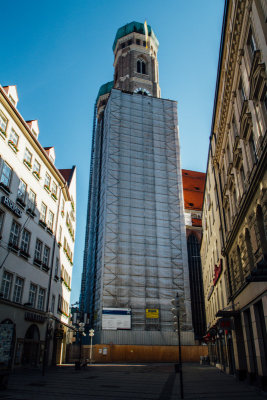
column 226, row 324
column 11, row 206
column 59, row 334
column 217, row 272
column 152, row 313
column 30, row 316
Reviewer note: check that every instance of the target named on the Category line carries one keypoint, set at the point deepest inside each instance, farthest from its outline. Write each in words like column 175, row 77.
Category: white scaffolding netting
column 140, row 257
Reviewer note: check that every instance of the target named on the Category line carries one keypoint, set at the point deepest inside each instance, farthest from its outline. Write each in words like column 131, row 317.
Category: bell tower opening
column 135, row 60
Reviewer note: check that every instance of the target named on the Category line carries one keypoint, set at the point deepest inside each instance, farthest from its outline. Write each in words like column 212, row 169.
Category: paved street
column 151, row 381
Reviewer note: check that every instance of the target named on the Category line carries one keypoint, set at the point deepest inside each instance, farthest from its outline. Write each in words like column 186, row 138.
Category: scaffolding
column 137, row 255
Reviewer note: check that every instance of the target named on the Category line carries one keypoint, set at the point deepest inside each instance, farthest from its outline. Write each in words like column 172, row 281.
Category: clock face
column 143, row 91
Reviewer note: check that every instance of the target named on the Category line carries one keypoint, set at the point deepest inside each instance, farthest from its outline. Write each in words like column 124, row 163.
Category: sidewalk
column 121, row 382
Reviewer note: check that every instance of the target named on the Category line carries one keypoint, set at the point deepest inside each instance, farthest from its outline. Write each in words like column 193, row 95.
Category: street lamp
column 176, row 316
column 91, row 334
column 81, row 333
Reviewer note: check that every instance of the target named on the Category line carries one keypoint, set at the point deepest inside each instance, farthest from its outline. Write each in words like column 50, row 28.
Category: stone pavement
column 121, row 382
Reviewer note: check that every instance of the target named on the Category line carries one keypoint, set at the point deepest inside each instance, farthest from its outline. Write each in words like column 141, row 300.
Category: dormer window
column 141, row 66
column 12, row 100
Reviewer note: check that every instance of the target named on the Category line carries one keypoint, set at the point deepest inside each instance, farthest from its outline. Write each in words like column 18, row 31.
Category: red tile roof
column 193, row 189
column 67, row 174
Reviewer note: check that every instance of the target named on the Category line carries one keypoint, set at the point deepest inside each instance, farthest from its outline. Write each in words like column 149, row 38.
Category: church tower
column 135, row 60
column 135, row 255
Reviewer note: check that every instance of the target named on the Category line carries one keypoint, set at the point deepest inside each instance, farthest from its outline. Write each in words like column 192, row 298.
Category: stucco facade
column 37, row 228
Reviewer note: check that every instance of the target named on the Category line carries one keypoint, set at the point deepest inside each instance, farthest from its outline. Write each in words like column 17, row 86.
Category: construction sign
column 152, row 313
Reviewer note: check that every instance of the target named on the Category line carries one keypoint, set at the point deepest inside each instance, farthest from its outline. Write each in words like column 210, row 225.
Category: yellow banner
column 152, row 313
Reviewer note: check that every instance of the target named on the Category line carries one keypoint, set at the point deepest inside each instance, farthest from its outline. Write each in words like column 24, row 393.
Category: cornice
column 227, row 76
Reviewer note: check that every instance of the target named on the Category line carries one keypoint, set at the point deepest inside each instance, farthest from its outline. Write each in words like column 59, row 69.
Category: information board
column 116, row 318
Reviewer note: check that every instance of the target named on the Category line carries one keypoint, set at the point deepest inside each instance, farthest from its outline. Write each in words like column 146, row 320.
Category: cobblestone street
column 151, row 381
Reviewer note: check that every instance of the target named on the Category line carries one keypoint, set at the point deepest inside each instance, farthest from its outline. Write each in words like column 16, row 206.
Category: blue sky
column 59, row 53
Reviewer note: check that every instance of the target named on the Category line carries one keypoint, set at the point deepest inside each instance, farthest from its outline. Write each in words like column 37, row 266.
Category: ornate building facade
column 234, row 246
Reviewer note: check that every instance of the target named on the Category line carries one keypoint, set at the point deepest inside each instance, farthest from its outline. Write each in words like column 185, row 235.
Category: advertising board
column 116, row 318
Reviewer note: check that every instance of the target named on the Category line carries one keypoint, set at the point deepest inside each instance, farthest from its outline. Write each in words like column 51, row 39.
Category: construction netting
column 137, row 255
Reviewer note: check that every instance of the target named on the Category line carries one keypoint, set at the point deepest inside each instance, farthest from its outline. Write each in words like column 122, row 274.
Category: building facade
column 135, row 258
column 193, row 190
column 37, row 233
column 235, row 236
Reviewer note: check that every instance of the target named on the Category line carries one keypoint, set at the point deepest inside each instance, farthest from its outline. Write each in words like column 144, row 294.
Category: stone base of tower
column 146, row 338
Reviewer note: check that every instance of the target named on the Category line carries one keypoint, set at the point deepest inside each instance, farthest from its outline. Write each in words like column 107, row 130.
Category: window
column 21, row 191
column 240, row 266
column 60, row 234
column 141, row 66
column 14, row 137
column 41, row 298
column 138, row 41
column 122, row 45
column 12, row 100
column 46, row 256
column 6, row 175
column 242, row 92
column 252, row 148
column 14, row 234
column 129, row 42
column 251, row 44
column 54, row 188
column 32, row 294
column 50, row 220
column 38, row 250
column 261, row 229
column 25, row 241
column 3, row 122
column 57, row 267
column 6, row 285
column 47, row 180
column 59, row 304
column 18, row 288
column 2, row 214
column 28, row 157
column 144, row 43
column 43, row 212
column 36, row 167
column 31, row 200
column 52, row 308
column 249, row 250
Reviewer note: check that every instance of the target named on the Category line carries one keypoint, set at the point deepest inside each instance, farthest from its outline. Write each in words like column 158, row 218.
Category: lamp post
column 91, row 334
column 176, row 315
column 81, row 332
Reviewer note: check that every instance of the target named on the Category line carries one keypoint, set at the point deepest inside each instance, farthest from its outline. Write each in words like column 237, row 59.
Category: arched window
column 240, row 267
column 232, row 276
column 261, row 229
column 249, row 250
column 141, row 66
